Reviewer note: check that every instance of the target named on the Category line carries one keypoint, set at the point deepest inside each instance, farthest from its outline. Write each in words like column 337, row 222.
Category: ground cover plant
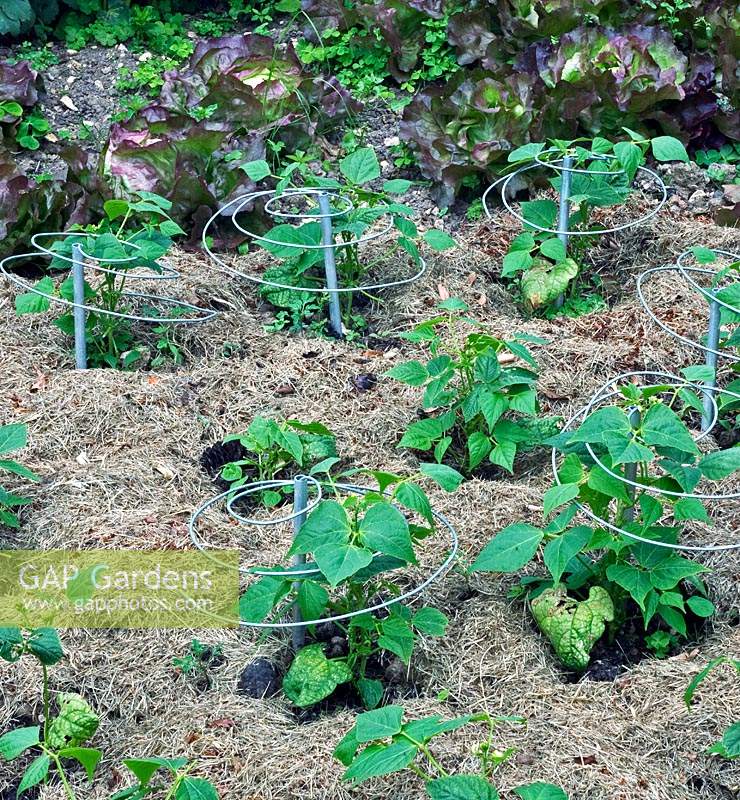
column 356, row 541
column 597, row 572
column 298, row 246
column 480, row 401
column 365, row 43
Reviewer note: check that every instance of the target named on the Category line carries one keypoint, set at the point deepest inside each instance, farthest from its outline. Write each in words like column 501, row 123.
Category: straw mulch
column 119, row 452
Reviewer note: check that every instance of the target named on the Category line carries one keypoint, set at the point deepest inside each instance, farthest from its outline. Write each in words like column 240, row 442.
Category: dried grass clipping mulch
column 119, row 458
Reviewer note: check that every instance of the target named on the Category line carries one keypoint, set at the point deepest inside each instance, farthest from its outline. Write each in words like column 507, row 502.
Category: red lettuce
column 233, row 95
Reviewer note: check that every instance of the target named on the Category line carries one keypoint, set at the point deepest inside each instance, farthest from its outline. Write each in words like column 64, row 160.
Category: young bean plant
column 271, row 449
column 539, row 261
column 133, row 235
column 596, row 572
column 13, row 437
column 371, row 206
column 480, row 401
column 381, row 743
column 64, row 737
column 355, row 542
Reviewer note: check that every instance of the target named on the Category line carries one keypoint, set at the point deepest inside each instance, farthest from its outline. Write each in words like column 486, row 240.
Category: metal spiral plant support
column 81, row 262
column 301, row 485
column 711, row 348
column 566, row 169
column 330, row 205
column 629, row 479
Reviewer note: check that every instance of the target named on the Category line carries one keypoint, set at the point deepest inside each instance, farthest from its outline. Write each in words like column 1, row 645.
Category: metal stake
column 564, row 212
column 300, row 501
column 630, row 470
column 330, row 265
column 715, row 316
column 78, row 285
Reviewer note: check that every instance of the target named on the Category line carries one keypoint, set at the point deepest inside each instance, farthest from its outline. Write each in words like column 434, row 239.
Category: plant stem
column 424, row 749
column 45, row 674
column 58, row 766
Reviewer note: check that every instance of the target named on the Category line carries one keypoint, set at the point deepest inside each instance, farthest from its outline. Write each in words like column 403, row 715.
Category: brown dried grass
column 118, row 454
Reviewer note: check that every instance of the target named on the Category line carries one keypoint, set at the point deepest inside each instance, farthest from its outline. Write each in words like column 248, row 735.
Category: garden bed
column 119, row 458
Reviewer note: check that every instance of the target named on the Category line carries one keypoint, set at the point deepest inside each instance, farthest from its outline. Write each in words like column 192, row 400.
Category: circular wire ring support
column 169, row 273
column 245, row 200
column 308, row 570
column 604, row 393
column 506, row 180
column 645, row 276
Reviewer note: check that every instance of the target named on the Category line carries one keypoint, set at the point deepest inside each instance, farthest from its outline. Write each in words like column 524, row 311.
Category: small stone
column 71, row 79
column 731, row 193
column 99, row 85
column 259, row 679
column 392, row 141
column 145, row 56
column 699, row 202
column 50, row 137
column 67, row 102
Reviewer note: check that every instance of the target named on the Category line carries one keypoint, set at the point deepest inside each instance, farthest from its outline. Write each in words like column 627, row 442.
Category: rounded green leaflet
column 381, row 759
column 17, row 741
column 540, row 791
column 45, row 645
column 379, row 724
column 340, row 561
column 361, row 166
column 385, row 529
column 36, row 772
column 461, row 787
column 191, row 788
column 510, row 550
column 668, row 148
column 312, row 676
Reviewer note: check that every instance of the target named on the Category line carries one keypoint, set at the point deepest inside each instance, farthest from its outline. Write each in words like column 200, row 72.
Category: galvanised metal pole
column 564, row 212
column 330, row 265
column 78, row 285
column 630, row 470
column 715, row 316
column 300, row 501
